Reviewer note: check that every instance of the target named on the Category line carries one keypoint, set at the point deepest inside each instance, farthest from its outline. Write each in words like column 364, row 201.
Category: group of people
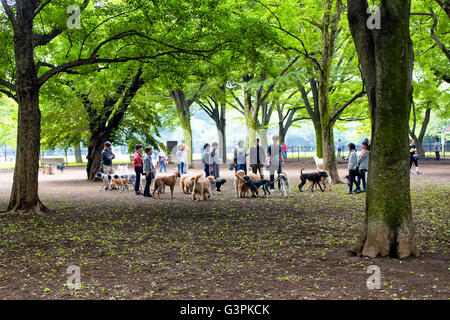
column 357, row 167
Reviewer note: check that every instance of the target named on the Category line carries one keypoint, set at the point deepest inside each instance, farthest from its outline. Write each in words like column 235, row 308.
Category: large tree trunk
column 319, row 143
column 329, row 155
column 78, row 157
column 24, row 193
column 386, row 55
column 95, row 148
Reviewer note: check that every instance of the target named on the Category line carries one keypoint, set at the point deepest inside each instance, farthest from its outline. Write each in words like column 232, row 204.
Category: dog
column 219, row 184
column 284, row 183
column 106, row 178
column 256, row 184
column 319, row 162
column 119, row 184
column 202, row 187
column 326, row 180
column 312, row 178
column 187, row 183
column 162, row 182
column 241, row 188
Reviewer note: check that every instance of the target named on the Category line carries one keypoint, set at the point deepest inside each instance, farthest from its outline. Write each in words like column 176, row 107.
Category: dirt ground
column 130, row 247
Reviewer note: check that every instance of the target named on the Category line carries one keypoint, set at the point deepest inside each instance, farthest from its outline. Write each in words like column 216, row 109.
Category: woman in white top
column 181, row 159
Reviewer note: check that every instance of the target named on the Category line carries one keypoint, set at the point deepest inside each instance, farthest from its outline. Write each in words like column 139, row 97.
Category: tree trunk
column 78, row 157
column 329, row 154
column 387, row 55
column 184, row 116
column 263, row 138
column 24, row 192
column 95, row 148
column 423, row 130
column 319, row 144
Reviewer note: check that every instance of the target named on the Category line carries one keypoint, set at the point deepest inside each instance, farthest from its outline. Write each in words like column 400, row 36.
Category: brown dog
column 187, row 183
column 162, row 182
column 242, row 189
column 118, row 184
column 202, row 187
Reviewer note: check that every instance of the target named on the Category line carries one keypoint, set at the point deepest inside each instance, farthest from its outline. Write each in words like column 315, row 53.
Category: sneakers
column 419, row 172
column 138, row 193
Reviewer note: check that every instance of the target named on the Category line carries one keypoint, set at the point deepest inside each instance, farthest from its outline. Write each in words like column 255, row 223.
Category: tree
column 386, row 58
column 125, row 35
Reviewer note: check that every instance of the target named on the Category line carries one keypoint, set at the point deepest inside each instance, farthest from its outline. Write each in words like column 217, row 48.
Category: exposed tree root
column 19, row 209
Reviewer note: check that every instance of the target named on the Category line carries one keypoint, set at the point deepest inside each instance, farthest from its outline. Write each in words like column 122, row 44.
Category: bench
column 50, row 165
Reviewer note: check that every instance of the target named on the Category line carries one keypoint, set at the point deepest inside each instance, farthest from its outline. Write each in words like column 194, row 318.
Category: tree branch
column 335, row 115
column 9, row 13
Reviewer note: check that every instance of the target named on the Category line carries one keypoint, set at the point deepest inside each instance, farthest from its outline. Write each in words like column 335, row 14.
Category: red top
column 137, row 160
column 284, row 147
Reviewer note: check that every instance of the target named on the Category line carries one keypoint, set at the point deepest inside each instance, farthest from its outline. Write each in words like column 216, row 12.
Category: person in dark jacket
column 107, row 157
column 149, row 171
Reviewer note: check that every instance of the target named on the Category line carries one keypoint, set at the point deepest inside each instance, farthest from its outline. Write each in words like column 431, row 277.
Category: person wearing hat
column 107, row 157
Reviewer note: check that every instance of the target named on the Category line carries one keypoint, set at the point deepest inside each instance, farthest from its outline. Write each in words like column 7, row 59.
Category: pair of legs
column 163, row 165
column 339, row 153
column 362, row 177
column 148, row 183
column 137, row 183
column 242, row 166
column 438, row 156
column 411, row 160
column 181, row 168
column 108, row 169
column 272, row 178
column 258, row 167
column 352, row 176
column 207, row 169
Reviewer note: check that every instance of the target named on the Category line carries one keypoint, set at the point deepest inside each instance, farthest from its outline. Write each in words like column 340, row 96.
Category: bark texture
column 386, row 58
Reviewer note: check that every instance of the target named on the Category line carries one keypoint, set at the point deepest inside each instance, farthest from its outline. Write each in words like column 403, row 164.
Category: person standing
column 149, row 171
column 138, row 168
column 339, row 148
column 275, row 157
column 181, row 159
column 284, row 148
column 363, row 164
column 257, row 158
column 162, row 162
column 353, row 168
column 206, row 159
column 437, row 148
column 186, row 151
column 215, row 159
column 107, row 157
column 413, row 157
column 240, row 157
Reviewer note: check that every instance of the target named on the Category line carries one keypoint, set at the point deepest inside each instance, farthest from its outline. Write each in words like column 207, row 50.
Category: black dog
column 313, row 178
column 256, row 184
column 219, row 184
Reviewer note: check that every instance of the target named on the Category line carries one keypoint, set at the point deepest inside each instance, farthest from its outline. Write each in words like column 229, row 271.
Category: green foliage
column 8, row 122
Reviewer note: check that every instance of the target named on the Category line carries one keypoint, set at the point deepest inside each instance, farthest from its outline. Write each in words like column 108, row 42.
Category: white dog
column 319, row 162
column 284, row 183
column 106, row 178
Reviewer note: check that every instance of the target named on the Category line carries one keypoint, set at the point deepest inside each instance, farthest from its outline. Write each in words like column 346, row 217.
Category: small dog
column 202, row 187
column 241, row 188
column 219, row 184
column 106, row 178
column 162, row 182
column 284, row 183
column 312, row 178
column 256, row 184
column 319, row 162
column 119, row 184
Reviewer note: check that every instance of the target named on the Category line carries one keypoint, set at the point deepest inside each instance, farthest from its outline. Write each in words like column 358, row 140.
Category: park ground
column 130, row 247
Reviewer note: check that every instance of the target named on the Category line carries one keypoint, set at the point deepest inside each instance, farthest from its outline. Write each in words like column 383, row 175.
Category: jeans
column 148, row 183
column 352, row 176
column 242, row 166
column 163, row 165
column 362, row 176
column 137, row 183
column 181, row 167
column 207, row 169
column 438, row 156
column 285, row 155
